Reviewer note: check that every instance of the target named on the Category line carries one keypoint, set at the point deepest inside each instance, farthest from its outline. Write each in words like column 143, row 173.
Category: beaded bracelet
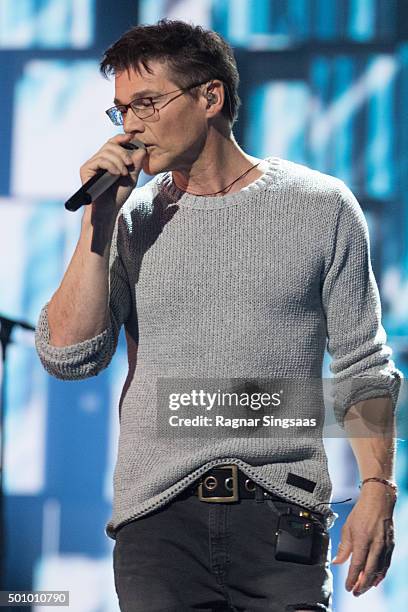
column 389, row 483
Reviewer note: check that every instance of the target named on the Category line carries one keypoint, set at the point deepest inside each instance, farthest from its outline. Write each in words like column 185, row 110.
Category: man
column 223, row 267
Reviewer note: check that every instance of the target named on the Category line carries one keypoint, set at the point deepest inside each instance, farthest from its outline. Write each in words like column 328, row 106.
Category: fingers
column 129, row 158
column 136, row 162
column 384, row 561
column 378, row 579
column 110, row 162
column 345, row 547
column 357, row 564
column 118, row 155
column 118, row 158
column 370, row 559
column 372, row 569
column 375, row 571
column 386, row 550
column 358, row 559
column 114, row 158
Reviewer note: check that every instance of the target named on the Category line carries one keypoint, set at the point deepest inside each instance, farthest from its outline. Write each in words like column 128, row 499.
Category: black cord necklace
column 227, row 187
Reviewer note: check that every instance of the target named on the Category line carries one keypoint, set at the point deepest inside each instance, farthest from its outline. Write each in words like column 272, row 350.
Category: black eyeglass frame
column 121, row 108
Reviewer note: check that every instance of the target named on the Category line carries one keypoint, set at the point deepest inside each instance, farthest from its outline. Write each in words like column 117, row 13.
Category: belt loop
column 259, row 494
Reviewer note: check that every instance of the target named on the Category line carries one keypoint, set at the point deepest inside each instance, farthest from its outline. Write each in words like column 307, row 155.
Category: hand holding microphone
column 109, row 176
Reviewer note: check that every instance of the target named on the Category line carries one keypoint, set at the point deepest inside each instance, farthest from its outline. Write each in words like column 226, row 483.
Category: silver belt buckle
column 210, row 484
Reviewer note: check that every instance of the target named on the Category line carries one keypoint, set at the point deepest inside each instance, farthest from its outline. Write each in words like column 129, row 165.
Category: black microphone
column 98, row 183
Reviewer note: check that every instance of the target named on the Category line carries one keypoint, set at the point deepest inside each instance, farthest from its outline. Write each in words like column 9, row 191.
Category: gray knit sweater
column 247, row 285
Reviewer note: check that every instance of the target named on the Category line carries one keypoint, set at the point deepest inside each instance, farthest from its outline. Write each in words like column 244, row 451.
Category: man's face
column 176, row 132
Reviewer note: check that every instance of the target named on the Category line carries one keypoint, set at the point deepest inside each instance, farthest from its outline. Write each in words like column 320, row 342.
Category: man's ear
column 211, row 99
column 215, row 94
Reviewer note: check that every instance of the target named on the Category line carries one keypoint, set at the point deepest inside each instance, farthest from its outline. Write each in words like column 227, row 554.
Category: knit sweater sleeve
column 356, row 340
column 88, row 357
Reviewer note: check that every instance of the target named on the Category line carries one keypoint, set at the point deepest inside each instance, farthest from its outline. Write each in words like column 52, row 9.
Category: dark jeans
column 195, row 555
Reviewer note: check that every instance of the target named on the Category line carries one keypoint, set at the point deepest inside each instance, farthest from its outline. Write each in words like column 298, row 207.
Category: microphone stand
column 6, row 328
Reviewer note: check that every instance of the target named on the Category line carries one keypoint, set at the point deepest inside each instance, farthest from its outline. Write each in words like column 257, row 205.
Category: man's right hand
column 79, row 309
column 119, row 161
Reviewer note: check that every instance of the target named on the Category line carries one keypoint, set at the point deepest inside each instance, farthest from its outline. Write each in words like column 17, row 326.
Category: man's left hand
column 368, row 534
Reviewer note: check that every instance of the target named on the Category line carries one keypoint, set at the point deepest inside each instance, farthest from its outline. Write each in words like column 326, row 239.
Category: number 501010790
column 27, row 598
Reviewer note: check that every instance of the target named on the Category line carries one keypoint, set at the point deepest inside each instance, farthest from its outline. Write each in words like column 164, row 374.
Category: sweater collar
column 186, row 200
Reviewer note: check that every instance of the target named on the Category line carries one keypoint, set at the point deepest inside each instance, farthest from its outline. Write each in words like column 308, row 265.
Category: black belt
column 227, row 483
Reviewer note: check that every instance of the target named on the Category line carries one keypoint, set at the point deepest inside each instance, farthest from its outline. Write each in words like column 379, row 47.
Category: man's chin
column 152, row 167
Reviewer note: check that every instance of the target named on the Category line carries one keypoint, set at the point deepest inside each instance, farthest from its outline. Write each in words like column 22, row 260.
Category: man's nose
column 132, row 123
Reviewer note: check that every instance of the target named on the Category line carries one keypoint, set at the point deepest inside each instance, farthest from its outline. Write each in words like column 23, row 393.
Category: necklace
column 227, row 187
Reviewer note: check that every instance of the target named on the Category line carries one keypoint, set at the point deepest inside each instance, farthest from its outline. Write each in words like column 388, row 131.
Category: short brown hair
column 192, row 54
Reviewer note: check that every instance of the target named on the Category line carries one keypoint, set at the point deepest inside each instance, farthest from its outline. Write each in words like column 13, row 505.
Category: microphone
column 99, row 183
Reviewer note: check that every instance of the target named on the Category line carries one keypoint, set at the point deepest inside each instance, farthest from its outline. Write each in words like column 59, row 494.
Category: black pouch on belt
column 300, row 539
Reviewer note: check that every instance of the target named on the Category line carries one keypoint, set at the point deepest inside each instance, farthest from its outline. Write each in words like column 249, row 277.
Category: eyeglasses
column 143, row 107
